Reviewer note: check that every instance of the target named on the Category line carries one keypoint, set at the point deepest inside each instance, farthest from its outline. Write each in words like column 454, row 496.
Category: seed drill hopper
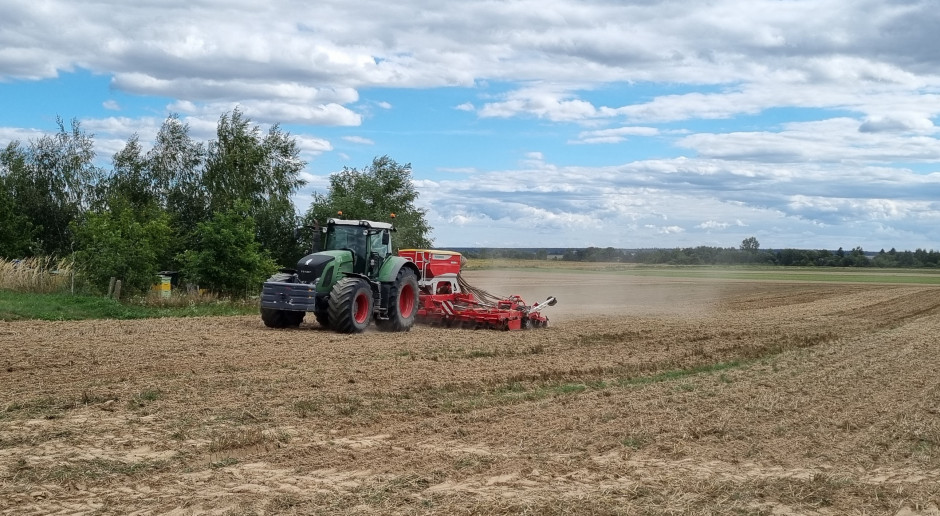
column 446, row 299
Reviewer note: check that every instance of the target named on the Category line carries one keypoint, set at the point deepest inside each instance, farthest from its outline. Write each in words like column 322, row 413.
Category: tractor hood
column 311, row 267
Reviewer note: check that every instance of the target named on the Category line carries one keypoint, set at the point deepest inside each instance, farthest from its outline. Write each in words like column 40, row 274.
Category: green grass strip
column 678, row 374
column 66, row 307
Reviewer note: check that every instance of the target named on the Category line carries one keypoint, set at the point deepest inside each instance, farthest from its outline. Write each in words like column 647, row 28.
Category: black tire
column 296, row 318
column 281, row 277
column 281, row 318
column 350, row 305
column 402, row 303
column 323, row 318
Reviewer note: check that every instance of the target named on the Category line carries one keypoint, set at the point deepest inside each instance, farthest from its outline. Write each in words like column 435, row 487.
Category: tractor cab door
column 380, row 248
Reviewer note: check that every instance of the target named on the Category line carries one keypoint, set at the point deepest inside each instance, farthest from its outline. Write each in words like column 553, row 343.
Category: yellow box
column 162, row 286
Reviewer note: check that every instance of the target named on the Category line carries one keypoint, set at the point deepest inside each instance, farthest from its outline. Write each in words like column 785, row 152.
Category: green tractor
column 354, row 280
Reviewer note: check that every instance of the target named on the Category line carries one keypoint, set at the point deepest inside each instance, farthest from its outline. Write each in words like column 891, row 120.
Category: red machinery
column 446, row 299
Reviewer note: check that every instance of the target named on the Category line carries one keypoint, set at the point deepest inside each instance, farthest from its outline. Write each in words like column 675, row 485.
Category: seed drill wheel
column 402, row 303
column 350, row 305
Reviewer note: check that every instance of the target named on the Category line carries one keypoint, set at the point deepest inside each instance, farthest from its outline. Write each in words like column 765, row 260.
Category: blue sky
column 531, row 123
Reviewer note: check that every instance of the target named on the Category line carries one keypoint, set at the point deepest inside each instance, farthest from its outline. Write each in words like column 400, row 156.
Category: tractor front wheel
column 281, row 318
column 350, row 305
column 274, row 318
column 402, row 303
column 323, row 318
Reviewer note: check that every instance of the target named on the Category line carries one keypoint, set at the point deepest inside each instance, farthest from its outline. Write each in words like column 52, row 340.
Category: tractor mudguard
column 389, row 270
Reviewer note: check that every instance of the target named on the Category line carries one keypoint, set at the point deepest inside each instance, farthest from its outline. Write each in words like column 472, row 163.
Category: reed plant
column 41, row 274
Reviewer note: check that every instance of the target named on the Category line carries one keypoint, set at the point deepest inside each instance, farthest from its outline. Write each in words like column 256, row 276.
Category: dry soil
column 644, row 396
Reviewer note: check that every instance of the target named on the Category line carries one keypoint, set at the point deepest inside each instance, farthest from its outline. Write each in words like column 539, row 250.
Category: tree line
column 748, row 253
column 219, row 212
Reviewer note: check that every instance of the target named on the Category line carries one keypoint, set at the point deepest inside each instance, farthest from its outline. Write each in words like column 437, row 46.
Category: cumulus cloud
column 686, row 202
column 832, row 140
column 849, row 91
column 312, row 146
column 275, row 111
column 11, row 134
column 552, row 105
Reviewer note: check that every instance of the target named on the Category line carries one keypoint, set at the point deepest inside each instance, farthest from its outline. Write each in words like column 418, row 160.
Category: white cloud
column 713, row 224
column 10, row 134
column 833, row 140
column 312, row 146
column 687, row 202
column 849, row 91
column 898, row 123
column 761, row 53
column 358, row 140
column 265, row 111
column 616, row 135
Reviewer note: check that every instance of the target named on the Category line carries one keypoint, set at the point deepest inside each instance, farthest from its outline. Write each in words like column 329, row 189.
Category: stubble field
column 647, row 395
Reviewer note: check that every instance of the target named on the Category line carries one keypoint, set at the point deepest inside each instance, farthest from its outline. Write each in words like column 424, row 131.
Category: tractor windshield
column 347, row 237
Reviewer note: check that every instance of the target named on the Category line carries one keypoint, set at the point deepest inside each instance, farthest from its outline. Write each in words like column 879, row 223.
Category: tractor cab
column 369, row 242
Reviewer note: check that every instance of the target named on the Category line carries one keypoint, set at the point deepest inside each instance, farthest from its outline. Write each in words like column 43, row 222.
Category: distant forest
column 704, row 255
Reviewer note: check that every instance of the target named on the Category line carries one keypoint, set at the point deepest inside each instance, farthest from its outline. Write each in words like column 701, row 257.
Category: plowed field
column 645, row 396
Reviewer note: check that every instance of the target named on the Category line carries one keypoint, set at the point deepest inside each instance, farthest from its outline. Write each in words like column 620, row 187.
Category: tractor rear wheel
column 350, row 305
column 402, row 303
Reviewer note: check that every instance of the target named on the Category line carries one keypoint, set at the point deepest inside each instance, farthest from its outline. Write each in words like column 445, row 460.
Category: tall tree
column 130, row 203
column 750, row 245
column 54, row 184
column 175, row 164
column 374, row 193
column 258, row 172
column 130, row 178
column 16, row 230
